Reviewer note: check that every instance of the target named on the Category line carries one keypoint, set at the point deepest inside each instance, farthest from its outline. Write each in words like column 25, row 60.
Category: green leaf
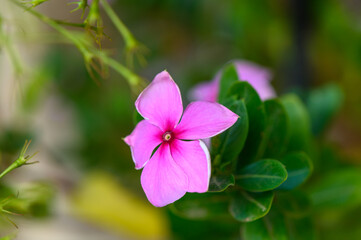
column 228, row 78
column 262, row 176
column 276, row 133
column 299, row 167
column 256, row 118
column 220, row 183
column 271, row 227
column 294, row 204
column 202, row 206
column 341, row 188
column 194, row 229
column 232, row 141
column 248, row 207
column 300, row 130
column 323, row 104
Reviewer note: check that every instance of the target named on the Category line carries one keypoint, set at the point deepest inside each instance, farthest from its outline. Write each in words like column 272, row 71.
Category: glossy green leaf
column 256, row 117
column 299, row 167
column 202, row 206
column 276, row 133
column 220, row 183
column 341, row 188
column 271, row 227
column 228, row 78
column 232, row 140
column 323, row 104
column 248, row 207
column 262, row 176
column 300, row 129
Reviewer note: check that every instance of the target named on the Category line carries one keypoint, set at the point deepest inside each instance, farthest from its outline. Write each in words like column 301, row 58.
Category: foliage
column 260, row 177
column 34, row 200
column 96, row 59
column 274, row 173
column 22, row 160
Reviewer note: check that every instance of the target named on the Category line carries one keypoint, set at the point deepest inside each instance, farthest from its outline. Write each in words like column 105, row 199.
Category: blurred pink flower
column 257, row 76
column 177, row 166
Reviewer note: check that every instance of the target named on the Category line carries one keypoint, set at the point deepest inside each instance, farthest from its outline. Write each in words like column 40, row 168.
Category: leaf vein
column 258, row 176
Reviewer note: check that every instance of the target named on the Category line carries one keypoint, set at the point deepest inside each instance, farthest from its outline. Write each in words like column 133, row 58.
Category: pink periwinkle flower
column 181, row 163
column 257, row 76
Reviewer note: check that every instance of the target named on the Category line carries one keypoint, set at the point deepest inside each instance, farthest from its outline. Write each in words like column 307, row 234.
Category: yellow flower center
column 167, row 136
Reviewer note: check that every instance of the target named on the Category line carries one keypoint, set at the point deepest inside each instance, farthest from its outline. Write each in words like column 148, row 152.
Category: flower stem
column 133, row 79
column 52, row 23
column 71, row 24
column 22, row 160
column 128, row 37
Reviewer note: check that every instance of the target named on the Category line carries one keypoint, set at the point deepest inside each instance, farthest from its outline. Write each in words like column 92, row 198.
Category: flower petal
column 207, row 91
column 193, row 158
column 203, row 120
column 161, row 102
column 142, row 141
column 259, row 77
column 162, row 179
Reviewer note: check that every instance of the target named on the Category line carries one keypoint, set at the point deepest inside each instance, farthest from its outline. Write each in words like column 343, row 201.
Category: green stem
column 53, row 24
column 137, row 83
column 80, row 25
column 22, row 160
column 127, row 35
column 133, row 79
column 9, row 169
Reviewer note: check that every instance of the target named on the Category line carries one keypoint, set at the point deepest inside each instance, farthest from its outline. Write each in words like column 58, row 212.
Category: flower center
column 167, row 136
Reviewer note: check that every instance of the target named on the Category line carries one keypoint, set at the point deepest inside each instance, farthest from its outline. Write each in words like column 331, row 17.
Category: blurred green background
column 77, row 123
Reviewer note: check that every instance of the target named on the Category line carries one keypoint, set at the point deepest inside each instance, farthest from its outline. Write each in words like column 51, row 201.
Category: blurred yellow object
column 103, row 202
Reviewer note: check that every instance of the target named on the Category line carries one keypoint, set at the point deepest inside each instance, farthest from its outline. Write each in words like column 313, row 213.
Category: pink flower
column 181, row 163
column 256, row 75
